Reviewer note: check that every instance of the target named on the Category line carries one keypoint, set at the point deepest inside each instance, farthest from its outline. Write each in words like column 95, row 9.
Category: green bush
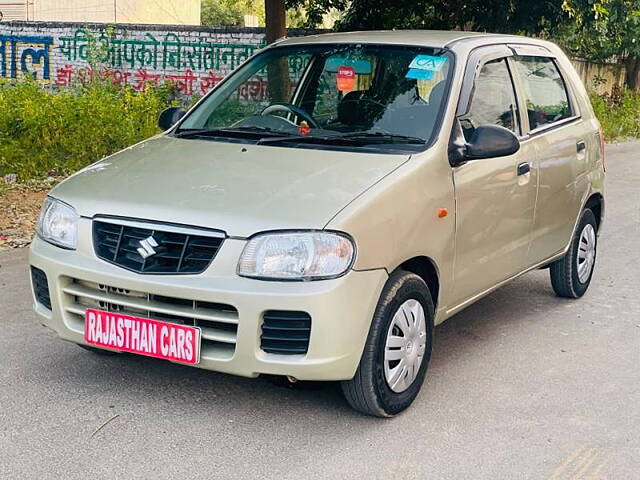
column 619, row 114
column 43, row 131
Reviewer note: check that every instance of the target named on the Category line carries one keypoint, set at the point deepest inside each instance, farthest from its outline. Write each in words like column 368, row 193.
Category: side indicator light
column 442, row 212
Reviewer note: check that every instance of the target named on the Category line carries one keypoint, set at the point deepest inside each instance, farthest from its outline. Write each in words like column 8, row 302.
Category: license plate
column 144, row 336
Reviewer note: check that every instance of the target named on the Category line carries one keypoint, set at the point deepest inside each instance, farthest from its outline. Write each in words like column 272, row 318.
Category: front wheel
column 571, row 275
column 396, row 355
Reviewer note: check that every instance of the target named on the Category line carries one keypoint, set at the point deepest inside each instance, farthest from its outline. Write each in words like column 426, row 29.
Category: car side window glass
column 494, row 100
column 545, row 91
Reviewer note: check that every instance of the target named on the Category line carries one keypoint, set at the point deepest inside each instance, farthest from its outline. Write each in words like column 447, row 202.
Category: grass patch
column 619, row 114
column 44, row 133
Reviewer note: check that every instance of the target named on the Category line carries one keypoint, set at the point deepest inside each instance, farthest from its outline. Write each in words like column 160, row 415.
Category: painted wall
column 602, row 78
column 194, row 58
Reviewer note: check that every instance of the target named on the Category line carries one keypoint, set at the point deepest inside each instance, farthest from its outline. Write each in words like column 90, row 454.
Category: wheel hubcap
column 405, row 346
column 586, row 258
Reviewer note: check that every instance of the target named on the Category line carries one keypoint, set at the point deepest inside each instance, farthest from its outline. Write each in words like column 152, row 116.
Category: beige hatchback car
column 326, row 205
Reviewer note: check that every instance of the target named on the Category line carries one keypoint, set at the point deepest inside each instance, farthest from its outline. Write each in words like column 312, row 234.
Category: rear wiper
column 241, row 131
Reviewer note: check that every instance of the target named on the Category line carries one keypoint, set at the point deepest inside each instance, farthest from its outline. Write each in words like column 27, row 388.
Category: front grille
column 218, row 322
column 285, row 332
column 171, row 250
column 40, row 287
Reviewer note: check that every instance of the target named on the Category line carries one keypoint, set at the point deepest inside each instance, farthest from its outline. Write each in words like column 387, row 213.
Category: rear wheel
column 571, row 275
column 396, row 355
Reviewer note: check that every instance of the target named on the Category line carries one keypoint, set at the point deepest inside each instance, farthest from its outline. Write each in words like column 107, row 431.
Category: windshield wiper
column 242, row 131
column 394, row 137
column 309, row 138
column 267, row 136
column 358, row 138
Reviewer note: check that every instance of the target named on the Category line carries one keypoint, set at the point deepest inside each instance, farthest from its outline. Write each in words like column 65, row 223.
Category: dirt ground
column 19, row 209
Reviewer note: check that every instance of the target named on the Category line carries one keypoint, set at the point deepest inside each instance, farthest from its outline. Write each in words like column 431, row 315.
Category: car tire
column 98, row 351
column 571, row 275
column 374, row 390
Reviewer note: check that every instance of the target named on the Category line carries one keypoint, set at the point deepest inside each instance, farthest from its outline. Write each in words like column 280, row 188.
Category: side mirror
column 490, row 141
column 170, row 117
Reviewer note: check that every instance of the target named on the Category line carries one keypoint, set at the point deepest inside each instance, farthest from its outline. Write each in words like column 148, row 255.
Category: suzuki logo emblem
column 146, row 247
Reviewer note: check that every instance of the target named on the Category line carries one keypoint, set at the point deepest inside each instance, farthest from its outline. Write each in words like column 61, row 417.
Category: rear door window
column 493, row 101
column 545, row 91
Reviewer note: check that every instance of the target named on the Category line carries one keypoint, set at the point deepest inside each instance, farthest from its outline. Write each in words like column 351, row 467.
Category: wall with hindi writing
column 195, row 58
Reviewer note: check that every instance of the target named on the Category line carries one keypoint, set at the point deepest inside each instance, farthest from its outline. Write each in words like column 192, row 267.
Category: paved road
column 522, row 385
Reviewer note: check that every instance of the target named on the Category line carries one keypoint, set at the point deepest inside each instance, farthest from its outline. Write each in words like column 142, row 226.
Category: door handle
column 581, row 146
column 524, row 168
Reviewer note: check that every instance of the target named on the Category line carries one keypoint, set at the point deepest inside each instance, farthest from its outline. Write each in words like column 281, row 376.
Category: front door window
column 494, row 100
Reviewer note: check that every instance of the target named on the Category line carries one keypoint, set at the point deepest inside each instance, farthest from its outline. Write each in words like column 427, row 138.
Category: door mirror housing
column 169, row 117
column 490, row 141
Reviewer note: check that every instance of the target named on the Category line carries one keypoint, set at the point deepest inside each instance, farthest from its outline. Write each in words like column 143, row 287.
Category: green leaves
column 511, row 16
column 230, row 12
column 605, row 28
column 618, row 115
column 41, row 131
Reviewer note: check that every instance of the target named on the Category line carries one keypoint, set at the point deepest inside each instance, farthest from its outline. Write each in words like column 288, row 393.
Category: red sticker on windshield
column 346, row 79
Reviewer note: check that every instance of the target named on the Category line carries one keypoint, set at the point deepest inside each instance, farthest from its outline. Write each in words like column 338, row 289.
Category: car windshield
column 344, row 96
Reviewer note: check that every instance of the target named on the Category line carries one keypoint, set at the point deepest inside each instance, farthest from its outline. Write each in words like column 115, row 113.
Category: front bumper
column 341, row 309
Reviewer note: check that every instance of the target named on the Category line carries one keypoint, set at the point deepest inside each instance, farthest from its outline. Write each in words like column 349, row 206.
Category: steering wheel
column 287, row 107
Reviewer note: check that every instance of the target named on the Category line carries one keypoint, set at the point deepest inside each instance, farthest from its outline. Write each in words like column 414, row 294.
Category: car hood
column 241, row 189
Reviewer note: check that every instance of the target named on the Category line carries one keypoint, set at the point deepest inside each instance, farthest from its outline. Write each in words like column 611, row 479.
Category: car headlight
column 58, row 223
column 296, row 256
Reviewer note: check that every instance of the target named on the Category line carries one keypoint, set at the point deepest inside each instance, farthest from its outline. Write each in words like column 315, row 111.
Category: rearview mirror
column 490, row 141
column 169, row 117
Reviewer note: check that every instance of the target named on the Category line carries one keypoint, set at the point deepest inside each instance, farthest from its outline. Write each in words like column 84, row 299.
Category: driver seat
column 357, row 108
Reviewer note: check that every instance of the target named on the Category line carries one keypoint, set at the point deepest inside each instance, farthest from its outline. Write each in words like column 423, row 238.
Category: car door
column 495, row 197
column 561, row 143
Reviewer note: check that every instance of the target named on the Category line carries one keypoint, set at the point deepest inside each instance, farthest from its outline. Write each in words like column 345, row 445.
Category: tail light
column 601, row 135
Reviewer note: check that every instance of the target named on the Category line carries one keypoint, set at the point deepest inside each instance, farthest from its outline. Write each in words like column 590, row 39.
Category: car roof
column 423, row 38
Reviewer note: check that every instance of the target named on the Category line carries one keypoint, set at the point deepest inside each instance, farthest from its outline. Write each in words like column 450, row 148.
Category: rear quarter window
column 545, row 91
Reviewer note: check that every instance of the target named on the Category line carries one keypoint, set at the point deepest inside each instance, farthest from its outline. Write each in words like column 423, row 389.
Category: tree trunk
column 632, row 76
column 277, row 70
column 275, row 19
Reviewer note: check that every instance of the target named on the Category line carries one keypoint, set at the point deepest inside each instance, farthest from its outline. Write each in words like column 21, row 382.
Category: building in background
column 13, row 10
column 171, row 12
